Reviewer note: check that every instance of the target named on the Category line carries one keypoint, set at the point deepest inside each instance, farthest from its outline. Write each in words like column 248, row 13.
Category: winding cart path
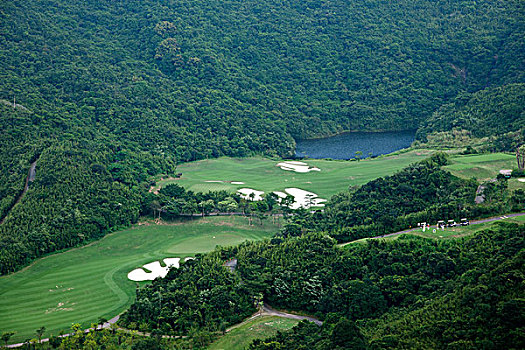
column 474, row 222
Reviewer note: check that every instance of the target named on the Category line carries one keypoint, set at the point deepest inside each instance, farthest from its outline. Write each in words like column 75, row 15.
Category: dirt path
column 30, row 178
column 474, row 222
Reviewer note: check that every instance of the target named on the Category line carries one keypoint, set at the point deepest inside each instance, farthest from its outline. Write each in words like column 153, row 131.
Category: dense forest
column 407, row 293
column 494, row 115
column 103, row 94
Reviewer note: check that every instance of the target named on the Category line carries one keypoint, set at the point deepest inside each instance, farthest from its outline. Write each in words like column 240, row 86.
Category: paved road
column 45, row 340
column 267, row 310
column 473, row 222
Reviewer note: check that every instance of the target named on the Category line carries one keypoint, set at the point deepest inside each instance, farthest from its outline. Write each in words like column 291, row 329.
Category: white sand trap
column 237, row 183
column 521, row 180
column 298, row 167
column 304, row 199
column 294, row 162
column 280, row 194
column 246, row 192
column 172, row 262
column 156, row 269
column 215, row 181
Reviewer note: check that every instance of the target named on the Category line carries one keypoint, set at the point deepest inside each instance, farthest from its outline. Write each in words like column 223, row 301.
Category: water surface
column 345, row 146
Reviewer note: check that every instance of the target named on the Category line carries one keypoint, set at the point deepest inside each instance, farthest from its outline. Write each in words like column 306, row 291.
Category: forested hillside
column 496, row 114
column 104, row 94
column 408, row 293
column 162, row 72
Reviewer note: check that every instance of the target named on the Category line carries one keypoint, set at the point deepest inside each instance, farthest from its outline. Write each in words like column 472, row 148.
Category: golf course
column 83, row 284
column 87, row 283
column 264, row 174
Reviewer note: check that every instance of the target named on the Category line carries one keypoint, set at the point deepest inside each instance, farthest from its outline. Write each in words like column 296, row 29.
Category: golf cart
column 441, row 224
column 451, row 223
column 465, row 222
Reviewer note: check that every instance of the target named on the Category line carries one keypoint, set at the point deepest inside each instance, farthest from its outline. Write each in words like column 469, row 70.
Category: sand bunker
column 228, row 182
column 280, row 194
column 521, row 180
column 298, row 167
column 246, row 194
column 156, row 270
column 304, row 199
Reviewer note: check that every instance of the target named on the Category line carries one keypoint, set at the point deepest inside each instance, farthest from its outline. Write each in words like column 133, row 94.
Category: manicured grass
column 263, row 174
column 335, row 176
column 482, row 167
column 258, row 328
column 83, row 284
column 515, row 184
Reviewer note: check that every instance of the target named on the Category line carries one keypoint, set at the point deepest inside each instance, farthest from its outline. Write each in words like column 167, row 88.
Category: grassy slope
column 259, row 328
column 482, row 167
column 263, row 174
column 92, row 281
column 451, row 232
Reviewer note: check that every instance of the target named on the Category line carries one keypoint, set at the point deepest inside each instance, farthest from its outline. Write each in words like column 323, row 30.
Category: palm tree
column 40, row 333
column 6, row 336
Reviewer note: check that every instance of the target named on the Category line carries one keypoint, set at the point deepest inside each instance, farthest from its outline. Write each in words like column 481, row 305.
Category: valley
column 180, row 166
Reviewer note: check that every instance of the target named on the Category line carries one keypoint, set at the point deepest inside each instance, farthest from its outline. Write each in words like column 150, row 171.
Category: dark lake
column 345, row 145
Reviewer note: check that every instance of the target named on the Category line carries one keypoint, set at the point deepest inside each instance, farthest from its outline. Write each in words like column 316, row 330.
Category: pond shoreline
column 353, row 132
column 355, row 145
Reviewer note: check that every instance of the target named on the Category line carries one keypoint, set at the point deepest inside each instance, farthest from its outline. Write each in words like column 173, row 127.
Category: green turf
column 482, row 167
column 263, row 174
column 84, row 284
column 335, row 176
column 258, row 328
column 515, row 184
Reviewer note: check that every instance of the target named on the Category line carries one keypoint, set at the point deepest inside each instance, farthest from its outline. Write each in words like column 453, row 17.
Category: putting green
column 83, row 284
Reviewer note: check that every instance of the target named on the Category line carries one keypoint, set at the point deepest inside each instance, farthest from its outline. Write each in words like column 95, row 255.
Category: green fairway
column 482, row 167
column 258, row 328
column 263, row 174
column 83, row 284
